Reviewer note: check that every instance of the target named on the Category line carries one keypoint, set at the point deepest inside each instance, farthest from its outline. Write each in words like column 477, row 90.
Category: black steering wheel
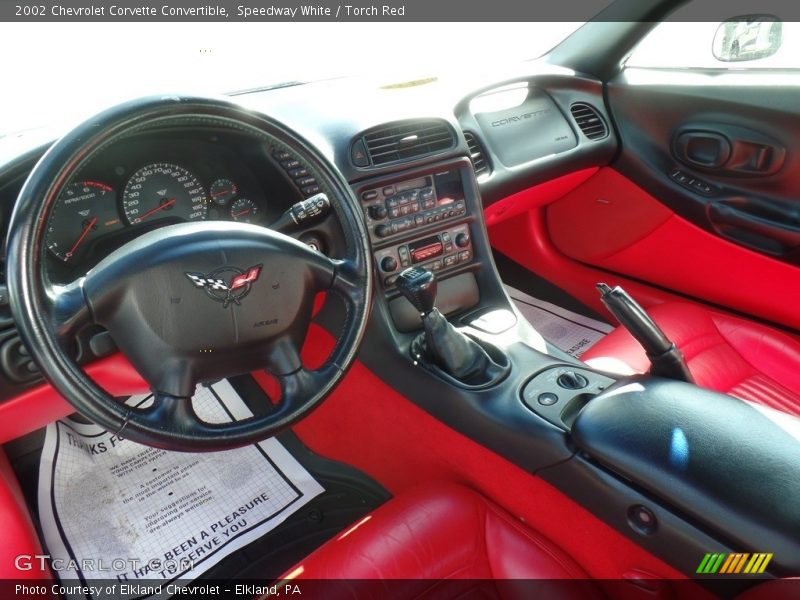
column 155, row 296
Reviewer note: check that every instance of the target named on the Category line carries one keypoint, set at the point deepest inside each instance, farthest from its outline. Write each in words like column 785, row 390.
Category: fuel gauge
column 222, row 191
column 244, row 210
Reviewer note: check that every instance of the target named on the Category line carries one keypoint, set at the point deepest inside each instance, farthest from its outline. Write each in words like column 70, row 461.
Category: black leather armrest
column 727, row 464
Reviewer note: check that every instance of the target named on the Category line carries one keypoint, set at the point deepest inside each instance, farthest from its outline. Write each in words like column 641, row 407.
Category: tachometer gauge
column 223, row 190
column 244, row 210
column 161, row 191
column 84, row 211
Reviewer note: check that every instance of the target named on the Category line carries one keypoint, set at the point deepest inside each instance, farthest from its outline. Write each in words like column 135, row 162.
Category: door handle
column 704, row 149
column 728, row 150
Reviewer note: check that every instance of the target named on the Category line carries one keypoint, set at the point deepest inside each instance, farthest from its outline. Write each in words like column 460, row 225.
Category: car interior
column 536, row 326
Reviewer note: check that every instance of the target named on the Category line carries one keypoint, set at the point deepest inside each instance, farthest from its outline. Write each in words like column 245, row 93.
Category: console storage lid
column 728, row 465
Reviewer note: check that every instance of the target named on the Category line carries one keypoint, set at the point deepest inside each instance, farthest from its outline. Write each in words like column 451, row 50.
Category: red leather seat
column 446, row 542
column 724, row 353
column 443, row 536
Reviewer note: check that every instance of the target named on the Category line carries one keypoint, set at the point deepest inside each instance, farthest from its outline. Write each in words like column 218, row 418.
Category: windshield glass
column 58, row 72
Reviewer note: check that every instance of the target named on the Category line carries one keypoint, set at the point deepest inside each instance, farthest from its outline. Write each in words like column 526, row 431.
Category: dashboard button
column 311, row 190
column 369, row 195
column 547, row 399
column 290, row 164
column 462, row 240
column 388, row 190
column 358, row 154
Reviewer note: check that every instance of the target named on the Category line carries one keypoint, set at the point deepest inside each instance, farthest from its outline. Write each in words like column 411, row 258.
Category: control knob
column 377, row 212
column 570, row 380
column 388, row 264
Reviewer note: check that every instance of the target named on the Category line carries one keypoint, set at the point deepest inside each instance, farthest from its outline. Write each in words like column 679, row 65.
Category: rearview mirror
column 747, row 37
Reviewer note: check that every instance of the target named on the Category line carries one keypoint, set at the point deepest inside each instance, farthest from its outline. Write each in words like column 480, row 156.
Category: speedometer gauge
column 164, row 191
column 84, row 211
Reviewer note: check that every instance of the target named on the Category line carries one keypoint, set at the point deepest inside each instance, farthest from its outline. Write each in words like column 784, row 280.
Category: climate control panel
column 440, row 251
column 391, row 210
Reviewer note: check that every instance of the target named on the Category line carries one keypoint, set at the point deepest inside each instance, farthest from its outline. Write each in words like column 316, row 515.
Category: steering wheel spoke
column 69, row 311
column 298, row 384
column 347, row 281
column 299, row 387
column 172, row 413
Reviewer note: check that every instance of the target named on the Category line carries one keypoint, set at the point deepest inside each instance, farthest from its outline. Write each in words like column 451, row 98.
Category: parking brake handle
column 666, row 359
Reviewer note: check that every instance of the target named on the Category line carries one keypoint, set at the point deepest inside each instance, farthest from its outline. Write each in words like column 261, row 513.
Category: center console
column 424, row 220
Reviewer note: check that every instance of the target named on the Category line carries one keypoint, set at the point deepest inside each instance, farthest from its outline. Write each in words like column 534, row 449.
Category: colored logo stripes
column 724, row 563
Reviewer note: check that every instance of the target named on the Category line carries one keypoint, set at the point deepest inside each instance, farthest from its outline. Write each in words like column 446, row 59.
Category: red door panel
column 612, row 224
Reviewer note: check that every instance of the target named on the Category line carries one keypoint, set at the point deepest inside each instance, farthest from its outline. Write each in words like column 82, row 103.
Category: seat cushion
column 442, row 535
column 724, row 353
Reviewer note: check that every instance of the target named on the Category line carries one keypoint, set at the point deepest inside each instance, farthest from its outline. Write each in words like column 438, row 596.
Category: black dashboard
column 423, row 160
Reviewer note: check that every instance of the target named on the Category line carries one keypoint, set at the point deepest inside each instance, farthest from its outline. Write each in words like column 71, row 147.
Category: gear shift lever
column 450, row 350
column 419, row 287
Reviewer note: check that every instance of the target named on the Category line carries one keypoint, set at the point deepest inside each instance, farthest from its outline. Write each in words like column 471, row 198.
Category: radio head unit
column 395, row 209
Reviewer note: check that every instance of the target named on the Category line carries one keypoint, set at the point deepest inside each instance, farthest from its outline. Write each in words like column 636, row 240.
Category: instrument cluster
column 157, row 180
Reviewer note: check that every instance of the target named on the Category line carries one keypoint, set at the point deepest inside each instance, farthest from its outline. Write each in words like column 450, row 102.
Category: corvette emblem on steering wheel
column 228, row 292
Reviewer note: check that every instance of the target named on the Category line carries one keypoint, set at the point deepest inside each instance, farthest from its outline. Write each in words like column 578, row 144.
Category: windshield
column 58, row 72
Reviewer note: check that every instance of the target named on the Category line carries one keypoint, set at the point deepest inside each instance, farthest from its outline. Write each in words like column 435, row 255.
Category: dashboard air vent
column 589, row 121
column 407, row 140
column 477, row 155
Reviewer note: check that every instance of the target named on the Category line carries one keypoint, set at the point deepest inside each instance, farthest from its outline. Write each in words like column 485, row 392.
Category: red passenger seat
column 724, row 353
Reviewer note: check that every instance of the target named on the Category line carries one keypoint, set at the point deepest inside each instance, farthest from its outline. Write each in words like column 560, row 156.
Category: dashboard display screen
column 449, row 188
column 412, row 184
column 424, row 249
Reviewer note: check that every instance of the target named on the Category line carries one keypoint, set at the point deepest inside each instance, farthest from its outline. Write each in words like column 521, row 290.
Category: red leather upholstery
column 724, row 353
column 19, row 534
column 441, row 532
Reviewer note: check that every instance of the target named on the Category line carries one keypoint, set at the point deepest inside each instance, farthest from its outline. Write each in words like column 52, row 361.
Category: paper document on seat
column 568, row 331
column 119, row 511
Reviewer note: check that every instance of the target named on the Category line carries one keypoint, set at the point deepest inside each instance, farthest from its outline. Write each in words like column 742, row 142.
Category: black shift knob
column 418, row 285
